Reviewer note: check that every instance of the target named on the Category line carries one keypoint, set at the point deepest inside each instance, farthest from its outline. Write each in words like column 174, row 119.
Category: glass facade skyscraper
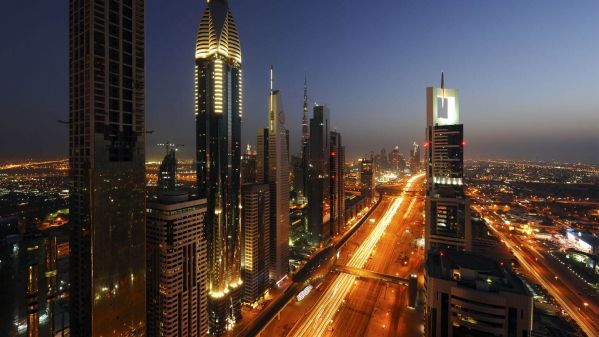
column 218, row 109
column 107, row 174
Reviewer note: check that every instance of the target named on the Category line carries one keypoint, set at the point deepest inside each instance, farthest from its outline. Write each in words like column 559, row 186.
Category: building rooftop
column 472, row 271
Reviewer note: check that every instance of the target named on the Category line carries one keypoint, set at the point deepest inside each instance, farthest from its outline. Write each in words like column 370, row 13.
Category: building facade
column 167, row 173
column 177, row 269
column 336, row 183
column 367, row 178
column 448, row 223
column 218, row 108
column 255, row 258
column 470, row 295
column 318, row 176
column 107, row 172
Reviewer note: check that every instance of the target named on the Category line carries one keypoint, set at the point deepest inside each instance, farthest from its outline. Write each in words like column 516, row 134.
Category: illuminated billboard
column 443, row 106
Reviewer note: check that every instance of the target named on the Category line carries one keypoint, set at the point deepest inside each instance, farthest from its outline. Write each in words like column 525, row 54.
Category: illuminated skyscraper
column 255, row 255
column 447, row 208
column 415, row 158
column 218, row 105
column 107, row 172
column 176, row 266
column 305, row 155
column 273, row 168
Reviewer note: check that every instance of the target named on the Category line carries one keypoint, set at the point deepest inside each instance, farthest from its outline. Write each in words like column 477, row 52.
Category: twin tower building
column 183, row 272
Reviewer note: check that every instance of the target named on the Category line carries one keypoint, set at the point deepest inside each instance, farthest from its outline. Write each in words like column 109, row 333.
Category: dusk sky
column 527, row 71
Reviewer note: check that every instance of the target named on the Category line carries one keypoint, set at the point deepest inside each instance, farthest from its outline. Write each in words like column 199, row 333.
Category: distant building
column 336, row 184
column 167, row 174
column 318, row 180
column 583, row 242
column 249, row 166
column 255, row 252
column 470, row 295
column 177, row 274
column 448, row 223
column 415, row 158
column 367, row 178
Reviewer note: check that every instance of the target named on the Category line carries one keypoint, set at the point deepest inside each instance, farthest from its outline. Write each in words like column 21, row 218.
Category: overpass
column 411, row 283
column 363, row 273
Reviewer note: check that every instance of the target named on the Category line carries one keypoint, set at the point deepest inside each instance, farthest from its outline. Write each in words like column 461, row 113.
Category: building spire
column 305, row 134
column 271, row 78
column 442, row 81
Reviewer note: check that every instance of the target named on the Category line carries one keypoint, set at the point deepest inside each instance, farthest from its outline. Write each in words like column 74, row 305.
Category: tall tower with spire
column 218, row 111
column 305, row 142
column 305, row 132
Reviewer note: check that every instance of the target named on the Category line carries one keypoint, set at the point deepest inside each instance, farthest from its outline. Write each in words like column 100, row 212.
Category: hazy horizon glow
column 527, row 73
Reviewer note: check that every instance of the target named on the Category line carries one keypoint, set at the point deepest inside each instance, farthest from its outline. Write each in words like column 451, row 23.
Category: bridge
column 411, row 283
column 363, row 273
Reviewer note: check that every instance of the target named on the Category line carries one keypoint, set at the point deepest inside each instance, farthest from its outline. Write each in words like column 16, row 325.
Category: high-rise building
column 177, row 289
column 107, row 173
column 218, row 108
column 470, row 295
column 305, row 155
column 255, row 253
column 336, row 183
column 273, row 169
column 167, row 174
column 248, row 166
column 415, row 158
column 395, row 159
column 318, row 171
column 448, row 223
column 367, row 178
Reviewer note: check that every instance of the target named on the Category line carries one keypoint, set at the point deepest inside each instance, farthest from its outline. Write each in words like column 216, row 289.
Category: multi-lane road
column 569, row 292
column 352, row 307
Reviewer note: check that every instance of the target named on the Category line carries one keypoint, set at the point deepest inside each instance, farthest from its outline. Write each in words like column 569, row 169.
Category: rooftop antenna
column 442, row 81
column 271, row 78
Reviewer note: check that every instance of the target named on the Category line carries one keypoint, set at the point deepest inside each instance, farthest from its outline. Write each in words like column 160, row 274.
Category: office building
column 272, row 166
column 415, row 158
column 248, row 166
column 367, row 178
column 255, row 252
column 470, row 295
column 448, row 223
column 218, row 108
column 177, row 274
column 107, row 172
column 336, row 184
column 318, row 180
column 167, row 174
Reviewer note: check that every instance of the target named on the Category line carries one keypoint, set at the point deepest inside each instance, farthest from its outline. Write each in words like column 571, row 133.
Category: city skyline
column 540, row 105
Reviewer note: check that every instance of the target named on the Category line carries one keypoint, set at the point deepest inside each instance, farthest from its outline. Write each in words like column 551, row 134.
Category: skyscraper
column 367, row 178
column 415, row 158
column 218, row 109
column 167, row 174
column 176, row 266
column 107, row 173
column 447, row 208
column 305, row 155
column 255, row 255
column 273, row 168
column 336, row 183
column 318, row 171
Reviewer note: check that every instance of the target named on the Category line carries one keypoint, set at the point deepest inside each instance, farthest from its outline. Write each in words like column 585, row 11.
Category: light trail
column 553, row 290
column 317, row 321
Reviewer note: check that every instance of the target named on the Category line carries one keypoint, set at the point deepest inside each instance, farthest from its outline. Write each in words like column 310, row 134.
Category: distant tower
column 33, row 305
column 176, row 265
column 448, row 224
column 336, row 184
column 305, row 130
column 167, row 175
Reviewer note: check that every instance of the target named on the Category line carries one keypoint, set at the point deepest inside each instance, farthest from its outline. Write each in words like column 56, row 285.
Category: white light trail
column 316, row 322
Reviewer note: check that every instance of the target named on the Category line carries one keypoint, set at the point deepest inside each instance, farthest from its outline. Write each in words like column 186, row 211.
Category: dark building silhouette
column 167, row 174
column 318, row 172
column 107, row 172
column 336, row 183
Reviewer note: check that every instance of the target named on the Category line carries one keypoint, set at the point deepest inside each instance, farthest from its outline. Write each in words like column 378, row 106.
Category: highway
column 569, row 292
column 318, row 320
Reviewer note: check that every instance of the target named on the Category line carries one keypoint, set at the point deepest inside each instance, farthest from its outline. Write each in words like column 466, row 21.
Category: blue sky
column 527, row 71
